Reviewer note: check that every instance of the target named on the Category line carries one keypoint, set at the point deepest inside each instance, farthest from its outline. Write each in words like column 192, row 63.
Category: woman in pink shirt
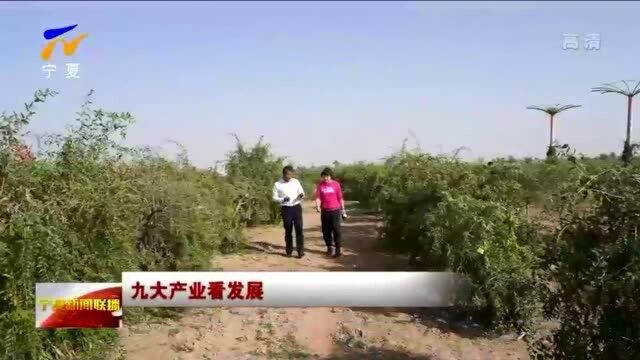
column 330, row 205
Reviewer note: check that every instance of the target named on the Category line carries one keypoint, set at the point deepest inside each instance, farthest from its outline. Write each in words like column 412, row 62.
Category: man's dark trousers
column 292, row 218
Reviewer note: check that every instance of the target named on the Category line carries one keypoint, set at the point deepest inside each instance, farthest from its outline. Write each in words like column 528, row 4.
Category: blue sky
column 326, row 81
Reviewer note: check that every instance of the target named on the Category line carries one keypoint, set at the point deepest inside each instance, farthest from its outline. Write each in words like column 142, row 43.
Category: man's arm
column 300, row 190
column 275, row 196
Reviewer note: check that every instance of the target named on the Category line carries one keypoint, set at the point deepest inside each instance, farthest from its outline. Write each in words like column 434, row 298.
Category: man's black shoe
column 329, row 251
column 288, row 254
column 337, row 254
column 300, row 256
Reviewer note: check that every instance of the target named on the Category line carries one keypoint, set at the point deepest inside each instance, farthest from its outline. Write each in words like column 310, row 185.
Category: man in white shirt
column 289, row 193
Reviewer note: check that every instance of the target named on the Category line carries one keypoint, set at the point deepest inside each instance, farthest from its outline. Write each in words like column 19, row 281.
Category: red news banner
column 78, row 305
column 94, row 305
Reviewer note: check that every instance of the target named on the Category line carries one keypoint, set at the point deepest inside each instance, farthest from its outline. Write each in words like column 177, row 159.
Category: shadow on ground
column 267, row 248
column 375, row 354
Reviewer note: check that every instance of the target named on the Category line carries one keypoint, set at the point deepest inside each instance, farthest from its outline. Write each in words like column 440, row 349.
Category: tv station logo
column 69, row 47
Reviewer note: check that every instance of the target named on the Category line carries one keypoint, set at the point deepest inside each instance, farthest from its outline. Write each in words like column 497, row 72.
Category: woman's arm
column 340, row 196
column 318, row 201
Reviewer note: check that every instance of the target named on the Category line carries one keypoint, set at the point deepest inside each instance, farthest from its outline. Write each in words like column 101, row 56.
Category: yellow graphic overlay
column 69, row 48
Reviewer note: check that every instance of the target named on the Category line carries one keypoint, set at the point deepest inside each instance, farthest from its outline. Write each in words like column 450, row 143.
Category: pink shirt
column 330, row 195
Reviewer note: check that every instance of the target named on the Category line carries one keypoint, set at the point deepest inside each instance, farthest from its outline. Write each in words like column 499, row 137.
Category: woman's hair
column 326, row 172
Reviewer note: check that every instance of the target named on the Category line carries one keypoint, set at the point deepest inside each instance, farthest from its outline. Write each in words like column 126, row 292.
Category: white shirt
column 291, row 189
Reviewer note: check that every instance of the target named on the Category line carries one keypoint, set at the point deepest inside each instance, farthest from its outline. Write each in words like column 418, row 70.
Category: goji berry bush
column 552, row 241
column 85, row 208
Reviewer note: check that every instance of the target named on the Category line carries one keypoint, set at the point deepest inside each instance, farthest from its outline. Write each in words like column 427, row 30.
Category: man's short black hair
column 287, row 169
column 326, row 172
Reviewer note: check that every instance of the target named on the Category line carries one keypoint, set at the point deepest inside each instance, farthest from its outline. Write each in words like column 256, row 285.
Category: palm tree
column 552, row 111
column 629, row 92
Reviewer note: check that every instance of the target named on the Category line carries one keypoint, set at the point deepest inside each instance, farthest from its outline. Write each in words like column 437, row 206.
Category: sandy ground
column 313, row 333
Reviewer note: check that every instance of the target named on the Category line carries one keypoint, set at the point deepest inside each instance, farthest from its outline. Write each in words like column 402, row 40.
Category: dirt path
column 310, row 333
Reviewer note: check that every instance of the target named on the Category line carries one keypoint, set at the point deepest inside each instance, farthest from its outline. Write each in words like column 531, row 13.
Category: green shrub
column 579, row 270
column 254, row 171
column 449, row 215
column 594, row 262
column 309, row 177
column 362, row 183
column 88, row 209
